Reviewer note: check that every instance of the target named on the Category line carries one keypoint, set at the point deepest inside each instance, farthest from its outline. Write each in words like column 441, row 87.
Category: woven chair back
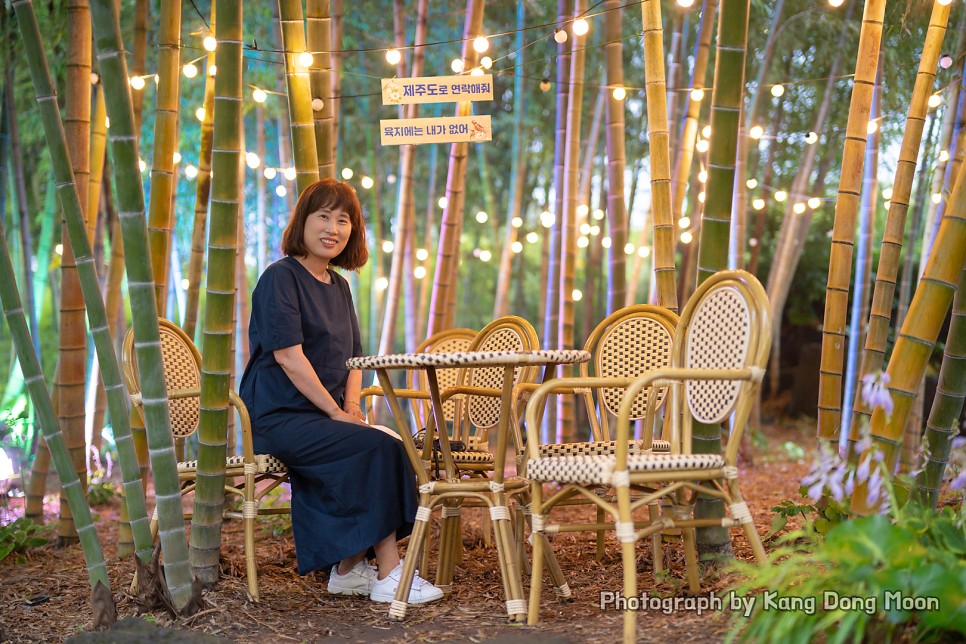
column 182, row 370
column 629, row 343
column 723, row 332
column 508, row 333
column 448, row 341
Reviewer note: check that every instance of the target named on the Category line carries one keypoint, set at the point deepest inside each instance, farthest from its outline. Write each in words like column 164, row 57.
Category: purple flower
column 959, row 483
column 875, row 392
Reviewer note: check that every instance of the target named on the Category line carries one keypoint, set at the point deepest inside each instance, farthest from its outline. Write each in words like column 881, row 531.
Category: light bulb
column 702, row 146
column 643, row 251
column 270, row 173
column 382, row 284
column 190, row 70
column 545, row 85
column 393, row 56
column 209, row 43
column 685, row 3
column 391, row 179
column 937, row 197
column 516, row 247
column 781, row 196
column 486, row 62
column 703, row 176
column 934, row 101
column 481, row 217
column 814, row 203
column 252, row 160
column 289, row 174
column 176, row 157
column 944, row 2
column 701, row 197
column 752, row 184
column 943, row 156
column 442, row 202
column 422, row 254
column 684, row 222
column 594, row 230
column 605, row 242
column 95, row 77
column 281, row 191
column 547, row 219
column 777, row 90
column 706, row 131
column 456, row 65
column 259, row 95
column 419, row 272
column 190, row 171
column 137, row 82
column 619, row 93
column 200, row 114
column 887, row 194
column 185, row 284
column 317, row 104
column 629, row 248
column 582, row 210
column 598, row 214
column 485, row 255
column 476, row 71
column 756, row 132
column 481, row 44
column 580, row 27
column 811, row 138
column 367, row 183
column 585, row 228
column 560, row 36
column 686, row 237
column 388, row 246
column 583, row 242
column 305, row 59
column 697, row 94
column 346, row 173
column 946, row 61
column 835, row 3
column 798, row 208
column 532, row 238
column 212, row 70
column 59, row 249
column 577, row 295
column 872, row 127
column 758, row 204
column 516, row 222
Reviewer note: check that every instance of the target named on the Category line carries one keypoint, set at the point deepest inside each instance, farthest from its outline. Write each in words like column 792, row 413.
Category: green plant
column 16, row 537
column 100, row 493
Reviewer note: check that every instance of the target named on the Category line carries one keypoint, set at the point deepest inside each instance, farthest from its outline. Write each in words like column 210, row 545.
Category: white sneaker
column 357, row 581
column 422, row 592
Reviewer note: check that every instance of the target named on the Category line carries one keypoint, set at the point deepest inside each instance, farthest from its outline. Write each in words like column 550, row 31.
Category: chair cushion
column 597, row 469
column 266, row 464
column 599, row 448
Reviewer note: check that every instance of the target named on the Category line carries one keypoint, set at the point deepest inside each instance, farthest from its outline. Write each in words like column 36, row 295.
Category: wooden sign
column 443, row 129
column 437, row 89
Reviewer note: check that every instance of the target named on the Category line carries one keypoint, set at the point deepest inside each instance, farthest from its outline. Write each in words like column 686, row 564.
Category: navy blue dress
column 351, row 486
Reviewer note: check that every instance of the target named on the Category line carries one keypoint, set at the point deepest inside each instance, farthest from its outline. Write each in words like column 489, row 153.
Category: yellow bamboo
column 916, row 340
column 888, row 269
column 160, row 213
column 659, row 145
column 98, row 152
column 843, row 228
column 318, row 33
column 299, row 97
column 616, row 157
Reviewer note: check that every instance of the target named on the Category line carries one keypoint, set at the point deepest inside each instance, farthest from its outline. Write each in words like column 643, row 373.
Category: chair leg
column 536, row 578
column 629, row 563
column 657, row 551
column 249, row 511
column 600, row 534
column 485, row 523
column 449, row 541
column 397, row 609
column 741, row 513
column 691, row 559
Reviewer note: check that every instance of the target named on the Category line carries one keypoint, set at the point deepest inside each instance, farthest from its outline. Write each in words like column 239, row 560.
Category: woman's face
column 327, row 232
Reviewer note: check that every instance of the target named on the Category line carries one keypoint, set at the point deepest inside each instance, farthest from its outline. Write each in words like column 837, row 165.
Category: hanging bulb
column 697, row 94
column 419, row 272
column 252, row 160
column 685, row 3
column 422, row 254
column 367, row 183
column 756, row 132
column 481, row 44
column 209, row 43
column 443, row 202
column 814, row 203
column 485, row 255
column 456, row 65
column 835, row 3
column 388, row 246
column 934, row 101
column 758, row 204
column 486, row 62
column 259, row 95
column 347, row 173
column 811, row 138
column 481, row 217
column 393, row 56
column 872, row 127
column 212, row 70
column 777, row 90
column 305, row 59
column 532, row 238
column 619, row 93
column 798, row 208
column 781, row 196
column 516, row 222
column 270, row 173
column 516, row 247
column 176, row 157
column 200, row 114
column 545, row 85
column 190, row 171
column 560, row 36
column 580, row 27
column 190, row 70
column 752, row 184
column 686, row 237
column 137, row 82
column 476, row 71
column 281, row 191
column 289, row 174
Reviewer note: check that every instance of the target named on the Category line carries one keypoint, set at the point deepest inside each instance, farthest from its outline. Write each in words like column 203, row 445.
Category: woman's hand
column 352, row 408
column 349, row 418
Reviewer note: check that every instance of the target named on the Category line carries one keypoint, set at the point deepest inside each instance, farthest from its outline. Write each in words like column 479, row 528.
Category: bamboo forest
column 438, row 320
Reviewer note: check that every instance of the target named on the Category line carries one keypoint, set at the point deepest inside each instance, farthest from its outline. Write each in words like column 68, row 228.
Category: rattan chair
column 721, row 348
column 243, row 473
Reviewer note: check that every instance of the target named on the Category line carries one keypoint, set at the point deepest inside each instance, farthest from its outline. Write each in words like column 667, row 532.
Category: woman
column 353, row 489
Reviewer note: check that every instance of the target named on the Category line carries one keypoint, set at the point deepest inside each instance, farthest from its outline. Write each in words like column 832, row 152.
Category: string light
column 305, row 59
column 516, row 222
column 619, row 93
column 190, row 70
column 270, row 173
column 486, row 62
column 281, row 191
column 582, row 210
column 887, row 194
column 777, row 90
column 594, row 230
column 212, row 70
column 481, row 217
column 756, row 132
column 605, row 242
column 580, row 27
column 702, row 146
column 317, row 104
column 289, row 173
column 422, row 254
column 560, row 36
column 644, row 251
column 752, row 184
column 872, row 127
column 476, row 71
column 393, row 56
column 798, row 208
column 697, row 94
column 758, row 204
column 944, row 2
column 629, row 248
column 481, row 44
column 95, row 78
column 811, row 138
column 532, row 238
column 59, row 249
column 485, row 255
column 442, row 202
column 367, row 183
column 598, row 214
column 701, row 197
column 934, row 101
column 835, row 3
column 583, row 242
column 685, row 3
column 706, row 131
column 684, row 222
column 814, row 203
column 545, row 85
column 382, row 284
column 585, row 228
column 209, row 43
column 259, row 95
column 686, row 237
column 547, row 219
column 252, row 160
column 346, row 173
column 176, row 157
column 703, row 176
column 388, row 246
column 456, row 65
column 943, row 156
column 200, row 114
column 137, row 82
column 391, row 179
column 946, row 61
column 781, row 196
column 419, row 272
column 937, row 197
column 190, row 171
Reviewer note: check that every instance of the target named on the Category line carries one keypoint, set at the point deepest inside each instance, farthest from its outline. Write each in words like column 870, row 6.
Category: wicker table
column 489, row 491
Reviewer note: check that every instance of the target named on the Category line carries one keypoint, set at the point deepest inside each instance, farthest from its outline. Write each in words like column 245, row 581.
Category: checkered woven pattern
column 469, row 358
column 590, row 470
column 445, row 377
column 628, row 349
column 599, row 448
column 468, row 457
column 484, row 411
column 180, row 372
column 266, row 464
column 718, row 338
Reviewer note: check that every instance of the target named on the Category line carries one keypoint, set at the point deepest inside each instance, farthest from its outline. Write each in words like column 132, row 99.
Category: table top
column 469, row 359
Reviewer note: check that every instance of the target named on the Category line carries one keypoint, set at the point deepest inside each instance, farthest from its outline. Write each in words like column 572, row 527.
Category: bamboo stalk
column 843, row 227
column 616, row 160
column 160, row 213
column 299, row 96
column 917, row 337
column 143, row 304
column 318, row 34
column 226, row 162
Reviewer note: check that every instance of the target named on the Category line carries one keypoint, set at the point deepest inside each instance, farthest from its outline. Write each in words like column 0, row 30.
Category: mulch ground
column 297, row 609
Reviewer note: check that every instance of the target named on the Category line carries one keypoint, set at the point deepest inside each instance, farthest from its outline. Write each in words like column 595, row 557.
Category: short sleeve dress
column 352, row 486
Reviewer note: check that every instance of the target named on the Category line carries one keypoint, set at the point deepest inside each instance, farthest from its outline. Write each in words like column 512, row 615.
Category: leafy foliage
column 16, row 537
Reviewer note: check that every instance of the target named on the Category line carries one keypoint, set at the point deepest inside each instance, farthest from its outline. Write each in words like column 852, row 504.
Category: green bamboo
column 160, row 213
column 659, row 144
column 70, row 202
column 943, row 422
column 144, row 311
column 299, row 97
column 219, row 297
column 98, row 153
column 843, row 228
column 916, row 340
column 102, row 603
column 318, row 34
column 887, row 271
column 139, row 61
column 616, row 158
column 196, row 261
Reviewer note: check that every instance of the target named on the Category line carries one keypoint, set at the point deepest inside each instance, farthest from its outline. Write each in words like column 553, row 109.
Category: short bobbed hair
column 336, row 195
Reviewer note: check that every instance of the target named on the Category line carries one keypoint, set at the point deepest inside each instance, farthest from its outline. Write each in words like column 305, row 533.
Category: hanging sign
column 437, row 89
column 443, row 129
